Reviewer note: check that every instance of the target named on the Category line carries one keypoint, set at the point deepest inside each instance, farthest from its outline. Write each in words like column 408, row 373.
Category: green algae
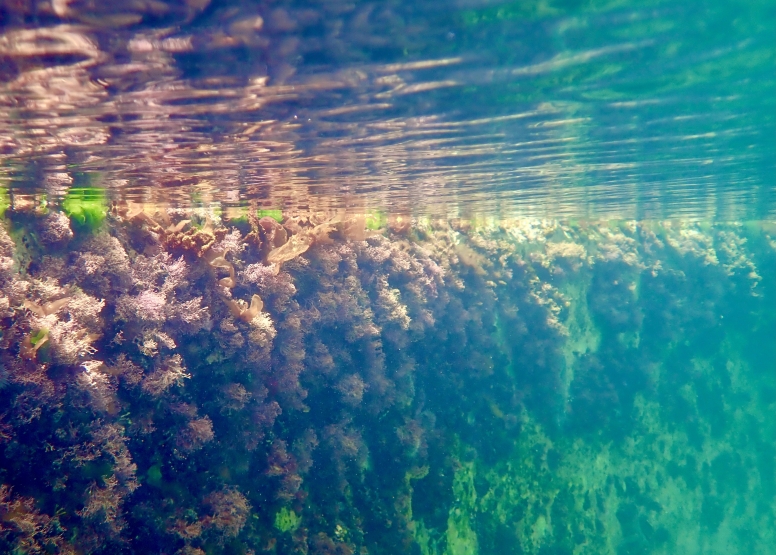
column 287, row 520
column 601, row 497
column 5, row 201
column 86, row 207
column 275, row 214
column 154, row 476
column 376, row 220
column 38, row 336
column 461, row 537
column 693, row 486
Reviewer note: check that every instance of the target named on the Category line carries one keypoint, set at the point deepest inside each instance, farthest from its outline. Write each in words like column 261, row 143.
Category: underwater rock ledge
column 175, row 383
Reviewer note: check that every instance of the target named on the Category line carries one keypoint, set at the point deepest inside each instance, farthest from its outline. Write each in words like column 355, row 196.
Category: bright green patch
column 287, row 520
column 38, row 336
column 5, row 201
column 461, row 537
column 154, row 476
column 86, row 206
column 376, row 220
column 276, row 215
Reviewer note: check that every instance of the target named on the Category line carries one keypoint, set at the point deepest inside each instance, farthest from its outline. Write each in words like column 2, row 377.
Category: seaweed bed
column 175, row 382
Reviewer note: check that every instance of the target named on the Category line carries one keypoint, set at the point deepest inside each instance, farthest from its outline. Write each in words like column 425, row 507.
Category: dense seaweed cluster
column 174, row 383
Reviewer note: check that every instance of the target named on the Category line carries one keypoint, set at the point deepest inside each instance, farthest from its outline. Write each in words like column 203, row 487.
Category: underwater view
column 349, row 277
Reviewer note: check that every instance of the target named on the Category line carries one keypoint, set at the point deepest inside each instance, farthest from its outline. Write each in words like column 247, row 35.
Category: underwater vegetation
column 325, row 384
column 4, row 201
column 86, row 206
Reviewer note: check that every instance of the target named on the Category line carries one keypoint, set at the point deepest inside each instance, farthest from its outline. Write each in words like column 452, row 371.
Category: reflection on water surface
column 609, row 109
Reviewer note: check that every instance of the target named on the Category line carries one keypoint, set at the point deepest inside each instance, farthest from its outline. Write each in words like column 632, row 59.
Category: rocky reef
column 176, row 382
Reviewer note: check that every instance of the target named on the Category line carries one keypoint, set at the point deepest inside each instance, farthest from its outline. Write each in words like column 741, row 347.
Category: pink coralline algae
column 281, row 464
column 56, row 229
column 229, row 511
column 168, row 372
column 195, row 434
column 146, row 306
column 24, row 529
column 352, row 389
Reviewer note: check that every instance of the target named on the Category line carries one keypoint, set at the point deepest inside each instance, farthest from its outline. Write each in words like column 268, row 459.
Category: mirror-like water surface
column 605, row 108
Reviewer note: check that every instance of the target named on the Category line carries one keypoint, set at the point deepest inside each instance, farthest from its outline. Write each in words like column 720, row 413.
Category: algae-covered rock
column 601, row 388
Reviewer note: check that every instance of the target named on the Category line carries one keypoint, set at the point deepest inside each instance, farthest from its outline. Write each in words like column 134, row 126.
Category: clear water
column 439, row 278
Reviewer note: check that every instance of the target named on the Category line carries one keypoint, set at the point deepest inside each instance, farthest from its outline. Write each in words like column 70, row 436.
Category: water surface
column 614, row 109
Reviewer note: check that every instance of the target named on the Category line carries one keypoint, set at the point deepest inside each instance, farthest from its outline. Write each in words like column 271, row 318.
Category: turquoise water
column 378, row 278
